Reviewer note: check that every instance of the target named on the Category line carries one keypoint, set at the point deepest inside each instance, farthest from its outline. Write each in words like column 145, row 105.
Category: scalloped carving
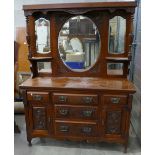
column 77, row 11
column 80, row 11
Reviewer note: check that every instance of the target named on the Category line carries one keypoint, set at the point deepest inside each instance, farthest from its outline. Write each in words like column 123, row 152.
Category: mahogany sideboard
column 84, row 96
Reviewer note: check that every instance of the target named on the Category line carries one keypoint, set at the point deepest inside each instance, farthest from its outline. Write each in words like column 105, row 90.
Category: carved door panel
column 114, row 122
column 39, row 120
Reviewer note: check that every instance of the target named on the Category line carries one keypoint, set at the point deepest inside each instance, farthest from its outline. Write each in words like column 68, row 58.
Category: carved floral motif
column 39, row 118
column 113, row 122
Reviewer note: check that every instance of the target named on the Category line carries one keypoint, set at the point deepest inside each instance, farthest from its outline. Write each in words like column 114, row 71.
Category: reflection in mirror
column 44, row 67
column 115, row 68
column 42, row 31
column 117, row 30
column 79, row 43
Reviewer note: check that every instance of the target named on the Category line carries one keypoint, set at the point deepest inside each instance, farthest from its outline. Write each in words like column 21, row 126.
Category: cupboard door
column 38, row 120
column 114, row 122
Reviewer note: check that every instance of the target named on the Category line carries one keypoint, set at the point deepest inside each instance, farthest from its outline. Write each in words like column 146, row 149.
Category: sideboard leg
column 29, row 141
column 125, row 147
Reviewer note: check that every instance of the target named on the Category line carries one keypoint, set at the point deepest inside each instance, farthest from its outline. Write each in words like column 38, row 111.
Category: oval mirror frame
column 42, row 32
column 79, row 43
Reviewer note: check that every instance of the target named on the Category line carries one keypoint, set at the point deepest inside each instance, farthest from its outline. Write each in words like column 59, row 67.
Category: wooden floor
column 54, row 147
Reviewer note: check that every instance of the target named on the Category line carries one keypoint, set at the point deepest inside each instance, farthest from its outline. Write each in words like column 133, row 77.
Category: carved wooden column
column 31, row 41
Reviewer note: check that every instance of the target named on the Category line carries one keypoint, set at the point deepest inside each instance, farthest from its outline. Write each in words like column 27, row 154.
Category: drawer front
column 76, row 129
column 76, row 112
column 87, row 99
column 115, row 99
column 38, row 96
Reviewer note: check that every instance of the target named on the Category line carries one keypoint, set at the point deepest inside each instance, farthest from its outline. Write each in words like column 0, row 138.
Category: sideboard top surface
column 78, row 83
column 79, row 5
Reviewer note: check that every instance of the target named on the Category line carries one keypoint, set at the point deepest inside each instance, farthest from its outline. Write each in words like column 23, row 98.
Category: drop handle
column 63, row 112
column 86, row 130
column 88, row 99
column 37, row 97
column 64, row 128
column 38, row 111
column 115, row 100
column 87, row 113
column 62, row 98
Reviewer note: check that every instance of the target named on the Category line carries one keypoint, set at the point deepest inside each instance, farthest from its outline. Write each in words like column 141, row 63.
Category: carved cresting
column 39, row 118
column 113, row 122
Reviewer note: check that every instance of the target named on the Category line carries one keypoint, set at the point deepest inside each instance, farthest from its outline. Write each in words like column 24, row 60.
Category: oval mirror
column 42, row 31
column 79, row 43
column 117, row 31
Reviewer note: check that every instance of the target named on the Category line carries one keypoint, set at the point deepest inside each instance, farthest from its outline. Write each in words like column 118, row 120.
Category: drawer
column 76, row 112
column 38, row 96
column 115, row 99
column 88, row 99
column 77, row 129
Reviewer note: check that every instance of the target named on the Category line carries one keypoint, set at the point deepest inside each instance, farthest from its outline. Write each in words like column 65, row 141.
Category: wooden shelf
column 115, row 71
column 118, row 59
column 40, row 59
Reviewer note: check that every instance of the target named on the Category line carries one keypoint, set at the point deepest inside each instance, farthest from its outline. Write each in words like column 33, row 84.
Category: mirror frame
column 127, row 37
column 36, row 16
column 46, row 36
column 99, row 52
column 111, row 53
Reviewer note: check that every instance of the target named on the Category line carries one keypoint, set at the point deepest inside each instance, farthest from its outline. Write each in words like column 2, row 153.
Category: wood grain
column 79, row 83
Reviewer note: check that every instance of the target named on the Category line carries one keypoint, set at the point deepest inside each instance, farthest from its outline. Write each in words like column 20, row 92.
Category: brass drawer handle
column 37, row 97
column 87, row 113
column 115, row 100
column 62, row 98
column 86, row 130
column 64, row 128
column 38, row 111
column 88, row 99
column 63, row 112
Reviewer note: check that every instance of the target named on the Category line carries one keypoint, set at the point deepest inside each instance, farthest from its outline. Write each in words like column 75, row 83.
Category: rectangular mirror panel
column 117, row 31
column 42, row 31
column 115, row 68
column 44, row 67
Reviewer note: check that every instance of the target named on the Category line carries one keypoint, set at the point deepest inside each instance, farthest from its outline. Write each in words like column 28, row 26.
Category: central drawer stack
column 76, row 115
